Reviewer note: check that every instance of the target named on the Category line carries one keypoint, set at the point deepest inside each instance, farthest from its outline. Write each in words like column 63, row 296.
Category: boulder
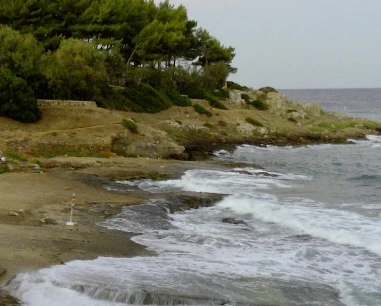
column 235, row 100
column 233, row 221
column 276, row 100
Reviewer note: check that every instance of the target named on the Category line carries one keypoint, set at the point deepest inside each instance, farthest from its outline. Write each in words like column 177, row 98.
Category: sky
column 294, row 44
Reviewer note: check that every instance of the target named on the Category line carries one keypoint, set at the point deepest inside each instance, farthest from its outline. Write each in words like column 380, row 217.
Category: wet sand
column 35, row 207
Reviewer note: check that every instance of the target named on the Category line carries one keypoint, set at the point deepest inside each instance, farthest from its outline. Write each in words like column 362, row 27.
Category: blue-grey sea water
column 354, row 102
column 308, row 233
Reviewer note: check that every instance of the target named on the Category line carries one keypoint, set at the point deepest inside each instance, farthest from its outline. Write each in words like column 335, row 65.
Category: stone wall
column 66, row 103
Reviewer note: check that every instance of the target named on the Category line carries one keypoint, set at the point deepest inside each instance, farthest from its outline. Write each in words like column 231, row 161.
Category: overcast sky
column 297, row 43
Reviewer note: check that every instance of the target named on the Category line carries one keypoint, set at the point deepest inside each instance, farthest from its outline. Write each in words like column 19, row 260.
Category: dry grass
column 89, row 131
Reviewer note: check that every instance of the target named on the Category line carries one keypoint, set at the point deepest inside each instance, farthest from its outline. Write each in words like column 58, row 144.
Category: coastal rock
column 183, row 202
column 49, row 221
column 235, row 100
column 161, row 149
column 7, row 300
column 247, row 130
column 276, row 100
column 233, row 221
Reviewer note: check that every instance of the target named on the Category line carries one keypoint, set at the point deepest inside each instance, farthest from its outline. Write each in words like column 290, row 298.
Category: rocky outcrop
column 249, row 130
column 233, row 221
column 66, row 103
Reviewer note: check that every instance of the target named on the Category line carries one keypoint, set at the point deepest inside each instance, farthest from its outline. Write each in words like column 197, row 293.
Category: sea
column 304, row 229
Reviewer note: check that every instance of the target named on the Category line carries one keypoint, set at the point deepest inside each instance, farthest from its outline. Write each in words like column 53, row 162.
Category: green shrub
column 267, row 89
column 3, row 169
column 222, row 94
column 201, row 110
column 196, row 93
column 253, row 121
column 144, row 98
column 130, row 125
column 15, row 155
column 246, row 97
column 371, row 125
column 259, row 105
column 208, row 125
column 232, row 85
column 17, row 99
column 36, row 161
column 175, row 97
column 114, row 99
column 215, row 102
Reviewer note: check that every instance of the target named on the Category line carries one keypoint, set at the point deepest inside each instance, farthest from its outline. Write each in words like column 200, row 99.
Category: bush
column 175, row 97
column 201, row 110
column 232, row 85
column 144, row 98
column 3, row 169
column 76, row 70
column 215, row 102
column 267, row 89
column 246, row 97
column 253, row 121
column 114, row 99
column 222, row 94
column 130, row 125
column 259, row 105
column 208, row 125
column 195, row 93
column 15, row 155
column 17, row 100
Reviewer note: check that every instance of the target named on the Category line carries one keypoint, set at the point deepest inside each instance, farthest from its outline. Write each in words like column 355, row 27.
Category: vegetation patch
column 195, row 134
column 49, row 151
column 332, row 127
column 259, row 105
column 222, row 123
column 175, row 97
column 215, row 102
column 291, row 110
column 130, row 125
column 208, row 125
column 15, row 155
column 246, row 97
column 253, row 121
column 222, row 93
column 201, row 110
column 372, row 125
column 232, row 85
column 145, row 98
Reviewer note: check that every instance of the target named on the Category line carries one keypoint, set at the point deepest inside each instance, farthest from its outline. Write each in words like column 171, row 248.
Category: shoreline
column 36, row 205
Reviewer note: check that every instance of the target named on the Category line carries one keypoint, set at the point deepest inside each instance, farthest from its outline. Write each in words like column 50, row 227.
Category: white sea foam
column 374, row 138
column 221, row 182
column 337, row 226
